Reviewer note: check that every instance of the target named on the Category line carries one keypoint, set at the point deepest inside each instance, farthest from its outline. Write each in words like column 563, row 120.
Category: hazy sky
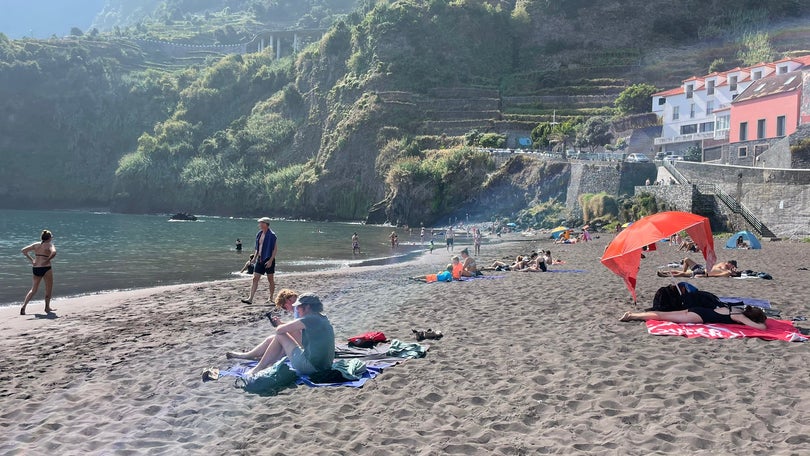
column 43, row 18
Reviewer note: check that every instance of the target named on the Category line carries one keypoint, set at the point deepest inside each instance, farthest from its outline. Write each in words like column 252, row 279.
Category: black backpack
column 668, row 299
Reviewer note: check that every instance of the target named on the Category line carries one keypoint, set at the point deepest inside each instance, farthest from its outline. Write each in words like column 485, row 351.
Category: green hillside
column 373, row 116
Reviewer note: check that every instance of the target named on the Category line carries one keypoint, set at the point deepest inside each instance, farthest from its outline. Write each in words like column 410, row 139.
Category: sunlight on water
column 103, row 251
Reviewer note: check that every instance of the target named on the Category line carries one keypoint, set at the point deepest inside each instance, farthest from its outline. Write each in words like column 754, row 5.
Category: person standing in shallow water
column 44, row 252
column 265, row 256
column 238, row 245
column 355, row 244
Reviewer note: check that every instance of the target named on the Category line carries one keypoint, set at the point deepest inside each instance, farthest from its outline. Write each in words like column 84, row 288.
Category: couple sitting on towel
column 308, row 341
column 694, row 306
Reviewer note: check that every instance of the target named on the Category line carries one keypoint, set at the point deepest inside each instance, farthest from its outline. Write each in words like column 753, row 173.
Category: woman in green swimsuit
column 41, row 267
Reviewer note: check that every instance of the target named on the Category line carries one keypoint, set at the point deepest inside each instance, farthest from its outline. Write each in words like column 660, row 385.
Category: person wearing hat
column 265, row 256
column 316, row 349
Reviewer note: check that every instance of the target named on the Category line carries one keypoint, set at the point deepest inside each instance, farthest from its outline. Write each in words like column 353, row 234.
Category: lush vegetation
column 100, row 118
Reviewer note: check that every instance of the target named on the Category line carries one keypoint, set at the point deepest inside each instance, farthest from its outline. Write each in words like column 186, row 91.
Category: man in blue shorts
column 265, row 255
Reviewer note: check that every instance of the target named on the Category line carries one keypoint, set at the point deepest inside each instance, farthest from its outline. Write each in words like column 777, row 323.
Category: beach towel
column 464, row 279
column 362, row 364
column 776, row 330
column 239, row 372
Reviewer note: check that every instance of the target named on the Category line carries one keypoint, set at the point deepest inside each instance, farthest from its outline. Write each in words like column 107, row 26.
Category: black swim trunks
column 698, row 269
column 40, row 271
column 262, row 270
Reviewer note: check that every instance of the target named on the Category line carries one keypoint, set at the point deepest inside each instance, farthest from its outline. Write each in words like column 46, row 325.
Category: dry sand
column 531, row 363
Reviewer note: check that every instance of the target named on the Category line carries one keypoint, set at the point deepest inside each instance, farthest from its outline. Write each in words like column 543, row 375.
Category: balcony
column 684, row 138
column 720, row 135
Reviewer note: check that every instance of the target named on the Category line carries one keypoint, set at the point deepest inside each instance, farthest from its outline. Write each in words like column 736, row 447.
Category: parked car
column 660, row 155
column 673, row 158
column 637, row 158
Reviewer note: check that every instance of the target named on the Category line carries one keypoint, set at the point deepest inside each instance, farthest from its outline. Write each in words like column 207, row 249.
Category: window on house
column 760, row 149
column 756, row 75
column 706, row 126
column 782, row 69
column 723, row 122
column 732, row 83
column 742, row 152
column 761, row 129
column 692, row 111
column 662, row 101
column 690, row 90
column 689, row 129
column 743, row 131
column 676, row 112
column 710, row 88
column 780, row 126
column 709, row 107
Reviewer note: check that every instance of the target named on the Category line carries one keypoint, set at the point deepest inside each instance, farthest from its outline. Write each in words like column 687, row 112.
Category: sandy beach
column 531, row 363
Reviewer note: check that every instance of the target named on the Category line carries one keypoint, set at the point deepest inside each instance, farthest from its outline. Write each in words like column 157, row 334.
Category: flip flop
column 247, row 301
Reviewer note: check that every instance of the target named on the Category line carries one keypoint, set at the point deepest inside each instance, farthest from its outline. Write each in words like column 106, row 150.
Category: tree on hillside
column 635, row 99
column 595, row 132
column 562, row 135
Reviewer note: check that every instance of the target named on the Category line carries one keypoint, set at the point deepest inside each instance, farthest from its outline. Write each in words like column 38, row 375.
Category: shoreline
column 411, row 255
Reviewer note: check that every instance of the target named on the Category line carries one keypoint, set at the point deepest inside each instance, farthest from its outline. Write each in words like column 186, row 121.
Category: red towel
column 776, row 330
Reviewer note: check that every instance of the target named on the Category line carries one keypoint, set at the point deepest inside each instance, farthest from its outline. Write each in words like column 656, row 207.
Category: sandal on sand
column 211, row 373
column 247, row 301
column 662, row 274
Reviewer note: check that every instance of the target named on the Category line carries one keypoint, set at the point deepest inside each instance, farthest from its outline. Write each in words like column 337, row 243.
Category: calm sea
column 102, row 251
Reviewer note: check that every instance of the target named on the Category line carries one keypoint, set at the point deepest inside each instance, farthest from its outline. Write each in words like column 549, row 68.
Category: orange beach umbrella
column 623, row 254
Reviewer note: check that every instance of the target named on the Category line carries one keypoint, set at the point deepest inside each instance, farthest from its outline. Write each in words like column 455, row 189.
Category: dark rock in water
column 376, row 215
column 183, row 216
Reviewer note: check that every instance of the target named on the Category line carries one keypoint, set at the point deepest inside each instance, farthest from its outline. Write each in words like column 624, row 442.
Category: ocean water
column 99, row 251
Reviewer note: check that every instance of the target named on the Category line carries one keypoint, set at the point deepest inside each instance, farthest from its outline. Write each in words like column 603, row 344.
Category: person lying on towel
column 451, row 272
column 314, row 352
column 749, row 316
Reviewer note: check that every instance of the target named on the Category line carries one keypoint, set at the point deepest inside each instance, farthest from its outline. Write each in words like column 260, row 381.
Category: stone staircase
column 707, row 195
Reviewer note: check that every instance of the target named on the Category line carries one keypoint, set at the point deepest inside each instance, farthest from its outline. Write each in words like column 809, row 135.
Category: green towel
column 400, row 349
column 351, row 369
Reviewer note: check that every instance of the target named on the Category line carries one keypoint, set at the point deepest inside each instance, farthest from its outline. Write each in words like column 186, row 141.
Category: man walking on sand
column 265, row 256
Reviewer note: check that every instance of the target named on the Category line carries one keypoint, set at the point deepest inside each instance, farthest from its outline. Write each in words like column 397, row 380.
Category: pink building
column 769, row 108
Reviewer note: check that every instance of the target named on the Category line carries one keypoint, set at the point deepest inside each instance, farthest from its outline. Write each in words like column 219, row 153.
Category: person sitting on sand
column 693, row 269
column 248, row 267
column 536, row 263
column 313, row 352
column 469, row 268
column 519, row 263
column 741, row 244
column 750, row 316
column 688, row 245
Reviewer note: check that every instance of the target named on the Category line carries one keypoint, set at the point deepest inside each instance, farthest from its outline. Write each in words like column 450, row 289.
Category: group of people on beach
column 308, row 341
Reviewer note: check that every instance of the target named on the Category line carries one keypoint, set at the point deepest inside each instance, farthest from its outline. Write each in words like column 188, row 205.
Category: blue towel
column 373, row 369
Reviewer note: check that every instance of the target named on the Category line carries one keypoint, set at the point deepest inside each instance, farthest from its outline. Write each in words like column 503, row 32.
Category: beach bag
column 367, row 340
column 667, row 299
column 271, row 380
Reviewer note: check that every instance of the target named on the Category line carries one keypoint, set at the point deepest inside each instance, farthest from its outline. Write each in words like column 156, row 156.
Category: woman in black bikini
column 750, row 316
column 43, row 254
